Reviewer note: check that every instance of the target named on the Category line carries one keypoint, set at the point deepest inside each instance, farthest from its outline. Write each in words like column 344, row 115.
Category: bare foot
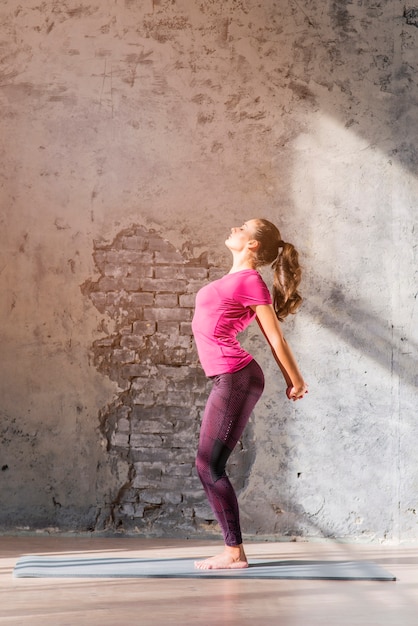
column 233, row 557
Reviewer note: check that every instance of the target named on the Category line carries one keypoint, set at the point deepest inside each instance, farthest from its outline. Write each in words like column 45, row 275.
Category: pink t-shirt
column 222, row 311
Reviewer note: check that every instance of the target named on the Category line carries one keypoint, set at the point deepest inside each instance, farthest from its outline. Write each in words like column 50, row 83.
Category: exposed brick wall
column 148, row 288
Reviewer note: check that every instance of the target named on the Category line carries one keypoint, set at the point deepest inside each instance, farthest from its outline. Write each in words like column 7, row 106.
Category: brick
column 175, row 414
column 186, row 485
column 178, row 386
column 146, row 441
column 133, row 342
column 160, row 285
column 123, row 412
column 113, row 298
column 165, row 343
column 149, row 497
column 194, row 286
column 184, row 418
column 186, row 328
column 152, row 471
column 176, row 398
column 143, row 397
column 108, row 284
column 128, row 257
column 188, row 512
column 124, row 425
column 168, row 257
column 130, row 283
column 166, row 300
column 155, row 414
column 140, row 270
column 194, row 496
column 127, row 509
column 155, row 454
column 132, row 509
column 174, row 373
column 184, row 342
column 170, row 272
column 123, row 356
column 145, row 454
column 146, row 414
column 180, row 315
column 200, row 399
column 157, row 243
column 123, row 384
column 149, row 426
column 120, row 440
column 181, row 438
column 187, row 300
column 198, row 378
column 142, row 482
column 139, row 510
column 196, row 273
column 183, row 469
column 135, row 370
column 168, row 328
column 115, row 271
column 157, row 385
column 142, row 298
column 174, row 356
column 172, row 497
column 194, row 361
column 204, row 511
column 144, row 328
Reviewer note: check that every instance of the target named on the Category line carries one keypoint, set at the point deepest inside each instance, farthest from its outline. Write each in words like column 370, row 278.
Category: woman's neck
column 239, row 264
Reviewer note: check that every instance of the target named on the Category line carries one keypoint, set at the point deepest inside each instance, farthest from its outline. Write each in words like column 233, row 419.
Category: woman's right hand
column 296, row 392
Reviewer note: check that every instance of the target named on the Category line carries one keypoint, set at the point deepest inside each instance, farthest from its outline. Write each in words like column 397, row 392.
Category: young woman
column 224, row 308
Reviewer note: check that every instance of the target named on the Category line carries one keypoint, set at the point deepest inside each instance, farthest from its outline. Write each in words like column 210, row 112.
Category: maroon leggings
column 227, row 412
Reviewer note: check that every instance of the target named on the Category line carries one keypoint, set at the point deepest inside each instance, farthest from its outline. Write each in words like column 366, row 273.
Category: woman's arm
column 270, row 326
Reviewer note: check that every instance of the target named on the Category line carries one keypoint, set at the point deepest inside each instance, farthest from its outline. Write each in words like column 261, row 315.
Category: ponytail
column 286, row 279
column 284, row 260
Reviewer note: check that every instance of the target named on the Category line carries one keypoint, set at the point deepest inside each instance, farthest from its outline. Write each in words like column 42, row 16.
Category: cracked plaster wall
column 170, row 121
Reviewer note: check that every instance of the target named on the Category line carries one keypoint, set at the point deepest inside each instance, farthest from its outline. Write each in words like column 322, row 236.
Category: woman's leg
column 227, row 412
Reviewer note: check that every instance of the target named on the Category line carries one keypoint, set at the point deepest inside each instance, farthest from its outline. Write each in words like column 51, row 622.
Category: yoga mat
column 114, row 567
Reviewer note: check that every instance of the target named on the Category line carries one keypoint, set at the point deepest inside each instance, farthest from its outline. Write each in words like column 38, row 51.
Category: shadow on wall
column 371, row 336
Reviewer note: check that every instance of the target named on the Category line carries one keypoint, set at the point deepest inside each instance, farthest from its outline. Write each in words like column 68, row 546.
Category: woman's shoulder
column 251, row 282
column 253, row 277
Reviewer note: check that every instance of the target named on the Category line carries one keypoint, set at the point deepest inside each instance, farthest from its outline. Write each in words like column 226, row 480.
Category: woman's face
column 240, row 236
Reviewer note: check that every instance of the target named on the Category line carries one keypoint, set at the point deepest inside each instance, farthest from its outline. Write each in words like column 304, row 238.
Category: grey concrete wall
column 133, row 135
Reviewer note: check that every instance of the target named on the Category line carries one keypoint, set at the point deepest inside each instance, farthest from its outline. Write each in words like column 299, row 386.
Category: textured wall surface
column 133, row 136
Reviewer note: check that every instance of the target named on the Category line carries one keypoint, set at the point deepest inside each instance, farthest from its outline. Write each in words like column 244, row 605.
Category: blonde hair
column 284, row 260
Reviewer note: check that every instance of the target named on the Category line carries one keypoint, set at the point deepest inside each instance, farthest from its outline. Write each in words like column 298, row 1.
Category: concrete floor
column 143, row 602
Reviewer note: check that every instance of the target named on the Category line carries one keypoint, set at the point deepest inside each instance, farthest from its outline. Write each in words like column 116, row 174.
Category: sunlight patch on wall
column 361, row 277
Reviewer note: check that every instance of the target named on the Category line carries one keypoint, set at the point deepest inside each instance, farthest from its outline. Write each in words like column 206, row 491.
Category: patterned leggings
column 227, row 412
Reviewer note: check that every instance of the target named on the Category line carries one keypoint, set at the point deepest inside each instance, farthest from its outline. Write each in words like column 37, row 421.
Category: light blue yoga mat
column 115, row 567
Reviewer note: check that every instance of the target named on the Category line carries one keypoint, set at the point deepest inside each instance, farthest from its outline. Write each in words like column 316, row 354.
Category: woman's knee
column 202, row 466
